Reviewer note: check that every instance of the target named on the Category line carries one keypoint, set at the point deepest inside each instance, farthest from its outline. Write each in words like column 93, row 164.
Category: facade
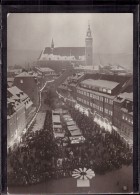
column 98, row 96
column 16, row 119
column 29, row 84
column 19, row 108
column 111, row 106
column 123, row 116
column 76, row 55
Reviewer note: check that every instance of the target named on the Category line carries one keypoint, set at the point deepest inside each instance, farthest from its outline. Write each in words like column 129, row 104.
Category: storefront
column 103, row 122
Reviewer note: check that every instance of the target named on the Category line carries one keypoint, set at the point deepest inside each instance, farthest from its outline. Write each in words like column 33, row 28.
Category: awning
column 72, row 128
column 70, row 123
column 76, row 132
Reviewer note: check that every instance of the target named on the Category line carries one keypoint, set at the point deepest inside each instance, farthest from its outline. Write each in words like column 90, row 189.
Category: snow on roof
column 56, row 118
column 72, row 128
column 26, row 74
column 100, row 83
column 70, row 123
column 76, row 132
column 15, row 91
column 10, row 79
column 126, row 95
column 45, row 69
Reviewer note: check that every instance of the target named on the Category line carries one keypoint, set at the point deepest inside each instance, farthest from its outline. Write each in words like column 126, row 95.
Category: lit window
column 21, row 81
column 123, row 117
column 109, row 91
column 104, row 90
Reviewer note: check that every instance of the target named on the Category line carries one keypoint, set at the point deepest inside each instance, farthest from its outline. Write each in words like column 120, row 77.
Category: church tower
column 52, row 45
column 88, row 48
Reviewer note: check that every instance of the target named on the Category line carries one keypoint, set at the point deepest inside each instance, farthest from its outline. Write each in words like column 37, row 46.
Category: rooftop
column 15, row 91
column 45, row 69
column 100, row 83
column 26, row 74
column 126, row 95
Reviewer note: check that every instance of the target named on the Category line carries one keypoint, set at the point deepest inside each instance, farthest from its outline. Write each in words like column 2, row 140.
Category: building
column 20, row 110
column 28, row 82
column 123, row 117
column 98, row 95
column 46, row 73
column 75, row 55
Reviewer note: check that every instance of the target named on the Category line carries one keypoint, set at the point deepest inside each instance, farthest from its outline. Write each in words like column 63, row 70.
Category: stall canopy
column 76, row 132
column 72, row 128
column 59, row 135
column 57, row 126
column 56, row 118
column 70, row 123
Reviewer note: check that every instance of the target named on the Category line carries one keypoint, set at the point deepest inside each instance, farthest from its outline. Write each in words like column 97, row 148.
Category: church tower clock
column 88, row 48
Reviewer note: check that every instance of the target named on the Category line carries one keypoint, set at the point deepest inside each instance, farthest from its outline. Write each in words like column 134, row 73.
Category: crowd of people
column 39, row 158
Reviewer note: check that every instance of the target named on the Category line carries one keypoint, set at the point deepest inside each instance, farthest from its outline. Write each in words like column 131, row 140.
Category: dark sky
column 112, row 33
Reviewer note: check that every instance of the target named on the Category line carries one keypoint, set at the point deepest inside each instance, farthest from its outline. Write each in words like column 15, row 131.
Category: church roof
column 66, row 51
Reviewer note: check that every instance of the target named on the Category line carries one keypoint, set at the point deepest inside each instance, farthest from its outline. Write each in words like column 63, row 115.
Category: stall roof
column 72, row 128
column 58, row 135
column 57, row 126
column 56, row 118
column 76, row 132
column 70, row 123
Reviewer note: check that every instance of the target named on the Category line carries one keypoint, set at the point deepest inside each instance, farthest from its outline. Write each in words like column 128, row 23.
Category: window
column 100, row 89
column 104, row 90
column 123, row 117
column 87, row 94
column 109, row 91
column 21, row 81
column 91, row 95
column 106, row 111
column 101, row 98
column 84, row 93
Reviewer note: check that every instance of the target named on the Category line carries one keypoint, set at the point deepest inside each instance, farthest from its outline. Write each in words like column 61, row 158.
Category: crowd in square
column 39, row 157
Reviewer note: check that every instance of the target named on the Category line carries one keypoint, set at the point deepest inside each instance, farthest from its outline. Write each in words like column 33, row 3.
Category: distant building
column 76, row 55
column 28, row 82
column 13, row 72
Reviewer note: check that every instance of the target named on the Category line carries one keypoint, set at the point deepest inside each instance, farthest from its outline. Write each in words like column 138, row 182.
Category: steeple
column 89, row 31
column 88, row 47
column 52, row 44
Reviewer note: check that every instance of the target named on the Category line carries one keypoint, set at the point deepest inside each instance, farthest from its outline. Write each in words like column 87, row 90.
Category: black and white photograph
column 69, row 103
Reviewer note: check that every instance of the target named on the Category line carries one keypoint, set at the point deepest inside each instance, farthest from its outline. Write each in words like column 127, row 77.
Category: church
column 75, row 55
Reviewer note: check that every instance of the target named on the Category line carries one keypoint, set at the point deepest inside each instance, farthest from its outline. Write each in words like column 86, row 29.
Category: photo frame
column 71, row 7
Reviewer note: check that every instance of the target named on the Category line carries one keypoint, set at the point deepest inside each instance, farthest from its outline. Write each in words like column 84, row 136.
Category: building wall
column 89, row 52
column 127, row 125
column 29, row 86
column 117, row 115
column 16, row 124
